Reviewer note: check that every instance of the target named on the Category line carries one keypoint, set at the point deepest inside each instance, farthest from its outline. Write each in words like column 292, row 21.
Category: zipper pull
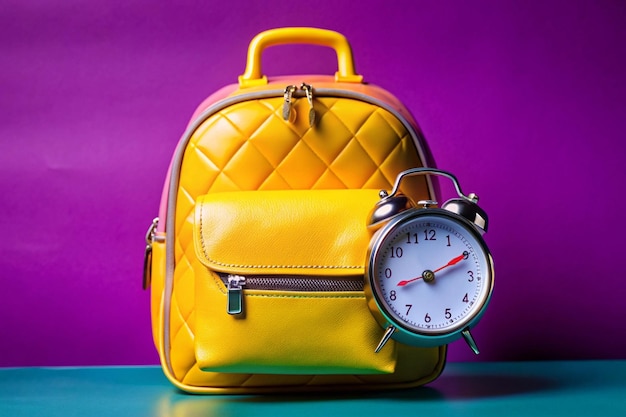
column 235, row 294
column 147, row 259
column 308, row 90
column 288, row 102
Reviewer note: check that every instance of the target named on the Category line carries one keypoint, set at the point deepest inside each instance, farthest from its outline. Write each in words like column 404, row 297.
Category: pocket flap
column 307, row 232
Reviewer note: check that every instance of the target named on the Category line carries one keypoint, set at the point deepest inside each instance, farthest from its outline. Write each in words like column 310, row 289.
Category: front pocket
column 294, row 304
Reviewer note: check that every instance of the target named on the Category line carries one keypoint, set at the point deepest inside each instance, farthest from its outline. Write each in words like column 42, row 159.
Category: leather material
column 242, row 143
column 287, row 332
column 156, row 290
column 367, row 150
column 302, row 236
column 301, row 232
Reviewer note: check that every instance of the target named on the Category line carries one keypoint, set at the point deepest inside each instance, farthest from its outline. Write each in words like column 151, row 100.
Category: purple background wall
column 523, row 101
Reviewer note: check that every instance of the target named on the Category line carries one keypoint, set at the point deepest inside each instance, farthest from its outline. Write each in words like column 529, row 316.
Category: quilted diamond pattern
column 248, row 146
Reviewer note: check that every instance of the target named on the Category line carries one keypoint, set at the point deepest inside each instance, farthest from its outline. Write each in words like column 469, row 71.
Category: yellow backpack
column 256, row 261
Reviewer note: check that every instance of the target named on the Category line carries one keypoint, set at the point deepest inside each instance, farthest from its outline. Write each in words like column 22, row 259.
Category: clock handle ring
column 432, row 171
column 465, row 206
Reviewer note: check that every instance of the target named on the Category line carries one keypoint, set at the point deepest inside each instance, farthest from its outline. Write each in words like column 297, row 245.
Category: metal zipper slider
column 308, row 90
column 235, row 294
column 288, row 102
column 147, row 259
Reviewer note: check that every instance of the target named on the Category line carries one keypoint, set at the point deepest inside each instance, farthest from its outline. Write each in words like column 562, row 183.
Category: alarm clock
column 428, row 274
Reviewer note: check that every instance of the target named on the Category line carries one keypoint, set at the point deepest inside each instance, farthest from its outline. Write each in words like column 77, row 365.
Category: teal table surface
column 568, row 388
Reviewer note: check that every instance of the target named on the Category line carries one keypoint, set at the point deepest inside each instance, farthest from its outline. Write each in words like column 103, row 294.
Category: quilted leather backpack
column 256, row 260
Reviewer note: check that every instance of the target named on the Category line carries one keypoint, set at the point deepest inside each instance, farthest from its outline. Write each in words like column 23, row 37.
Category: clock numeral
column 396, row 252
column 427, row 318
column 411, row 238
column 471, row 276
column 387, row 272
column 448, row 237
column 448, row 314
column 466, row 299
column 408, row 308
column 430, row 234
column 392, row 296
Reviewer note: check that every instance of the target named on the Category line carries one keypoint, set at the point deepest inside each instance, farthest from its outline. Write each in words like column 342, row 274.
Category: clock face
column 430, row 272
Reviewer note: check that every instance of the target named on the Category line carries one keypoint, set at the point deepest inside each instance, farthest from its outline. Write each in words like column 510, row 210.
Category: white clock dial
column 431, row 273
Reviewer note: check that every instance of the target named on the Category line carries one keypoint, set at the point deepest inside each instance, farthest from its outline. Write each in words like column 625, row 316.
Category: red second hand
column 453, row 261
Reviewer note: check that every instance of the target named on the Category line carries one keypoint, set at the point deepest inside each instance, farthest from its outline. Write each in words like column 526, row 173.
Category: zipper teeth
column 298, row 283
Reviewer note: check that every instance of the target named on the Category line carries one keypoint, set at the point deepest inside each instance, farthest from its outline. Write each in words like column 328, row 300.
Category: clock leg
column 470, row 340
column 385, row 338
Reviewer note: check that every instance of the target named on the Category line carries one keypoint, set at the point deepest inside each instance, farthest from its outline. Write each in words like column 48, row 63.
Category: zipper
column 147, row 259
column 235, row 285
column 288, row 99
column 308, row 90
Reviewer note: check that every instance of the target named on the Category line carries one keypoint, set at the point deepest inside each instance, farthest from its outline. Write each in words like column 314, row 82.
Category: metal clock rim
column 384, row 317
